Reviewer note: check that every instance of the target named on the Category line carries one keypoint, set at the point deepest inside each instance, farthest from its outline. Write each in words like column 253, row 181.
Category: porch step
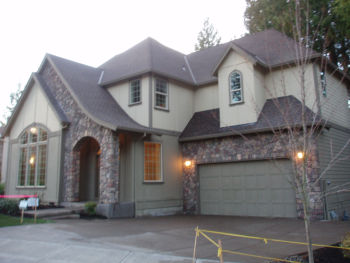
column 54, row 212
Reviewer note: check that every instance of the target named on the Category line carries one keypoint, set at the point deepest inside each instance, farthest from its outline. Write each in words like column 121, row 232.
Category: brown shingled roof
column 277, row 113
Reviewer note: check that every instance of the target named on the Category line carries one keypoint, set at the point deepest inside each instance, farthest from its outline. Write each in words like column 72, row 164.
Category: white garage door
column 258, row 188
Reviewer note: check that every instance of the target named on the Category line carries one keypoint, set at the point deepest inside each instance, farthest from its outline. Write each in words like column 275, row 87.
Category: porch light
column 300, row 155
column 188, row 163
column 32, row 160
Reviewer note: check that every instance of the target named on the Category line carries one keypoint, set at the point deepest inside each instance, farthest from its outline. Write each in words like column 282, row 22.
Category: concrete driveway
column 156, row 239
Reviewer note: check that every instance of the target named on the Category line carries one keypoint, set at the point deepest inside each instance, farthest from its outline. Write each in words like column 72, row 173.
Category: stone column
column 109, row 176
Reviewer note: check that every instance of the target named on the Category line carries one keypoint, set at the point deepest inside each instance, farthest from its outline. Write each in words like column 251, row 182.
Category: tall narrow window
column 235, row 87
column 32, row 157
column 135, row 92
column 152, row 162
column 161, row 94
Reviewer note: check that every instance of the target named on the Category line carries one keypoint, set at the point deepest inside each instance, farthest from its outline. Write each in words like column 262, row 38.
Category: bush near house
column 2, row 189
column 346, row 243
column 90, row 208
column 9, row 207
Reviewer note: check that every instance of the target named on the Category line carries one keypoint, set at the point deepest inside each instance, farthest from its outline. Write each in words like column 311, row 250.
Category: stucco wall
column 139, row 112
column 206, row 98
column 35, row 109
column 240, row 113
column 180, row 108
column 159, row 198
column 284, row 82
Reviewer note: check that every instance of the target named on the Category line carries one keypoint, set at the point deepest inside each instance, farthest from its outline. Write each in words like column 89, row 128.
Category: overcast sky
column 91, row 32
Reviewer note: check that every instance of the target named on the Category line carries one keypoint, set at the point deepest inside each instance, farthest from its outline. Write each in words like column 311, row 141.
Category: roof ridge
column 189, row 68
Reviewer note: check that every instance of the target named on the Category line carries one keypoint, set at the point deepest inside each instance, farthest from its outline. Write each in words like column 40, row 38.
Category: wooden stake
column 195, row 246
column 35, row 213
column 22, row 214
column 220, row 251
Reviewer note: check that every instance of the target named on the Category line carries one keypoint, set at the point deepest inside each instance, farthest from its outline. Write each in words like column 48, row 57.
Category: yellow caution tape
column 219, row 252
column 212, row 241
column 267, row 239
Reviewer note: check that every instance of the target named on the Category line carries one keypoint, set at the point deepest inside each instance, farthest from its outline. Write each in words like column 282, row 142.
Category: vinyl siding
column 333, row 141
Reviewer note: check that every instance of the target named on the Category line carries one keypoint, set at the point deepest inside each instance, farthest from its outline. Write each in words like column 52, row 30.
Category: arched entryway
column 88, row 150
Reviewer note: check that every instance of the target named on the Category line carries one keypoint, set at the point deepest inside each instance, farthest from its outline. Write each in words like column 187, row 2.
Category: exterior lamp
column 300, row 155
column 188, row 163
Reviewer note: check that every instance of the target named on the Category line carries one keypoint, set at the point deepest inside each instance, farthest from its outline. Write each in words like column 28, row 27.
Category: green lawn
column 6, row 220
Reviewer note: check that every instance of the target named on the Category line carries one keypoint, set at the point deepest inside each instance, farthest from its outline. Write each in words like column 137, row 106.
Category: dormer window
column 235, row 80
column 135, row 92
column 161, row 95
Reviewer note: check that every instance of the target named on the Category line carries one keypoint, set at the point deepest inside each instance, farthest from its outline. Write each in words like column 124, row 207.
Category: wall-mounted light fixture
column 188, row 163
column 300, row 155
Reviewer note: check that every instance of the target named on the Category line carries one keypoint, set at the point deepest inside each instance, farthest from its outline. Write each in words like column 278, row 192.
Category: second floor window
column 32, row 159
column 161, row 94
column 135, row 92
column 235, row 80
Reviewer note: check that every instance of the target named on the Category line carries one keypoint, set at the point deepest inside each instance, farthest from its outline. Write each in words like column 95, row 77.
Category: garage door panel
column 247, row 189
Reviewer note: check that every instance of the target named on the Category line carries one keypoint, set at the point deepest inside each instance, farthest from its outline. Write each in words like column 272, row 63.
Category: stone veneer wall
column 80, row 127
column 236, row 148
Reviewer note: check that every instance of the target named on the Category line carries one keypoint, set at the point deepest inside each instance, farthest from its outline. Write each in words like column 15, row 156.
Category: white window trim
column 140, row 85
column 161, row 180
column 231, row 91
column 166, row 108
column 28, row 145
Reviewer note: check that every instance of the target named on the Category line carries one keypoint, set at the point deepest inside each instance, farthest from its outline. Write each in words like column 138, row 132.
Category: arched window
column 33, row 157
column 236, row 94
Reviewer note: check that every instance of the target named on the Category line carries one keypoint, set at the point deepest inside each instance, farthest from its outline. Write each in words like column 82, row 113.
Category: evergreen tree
column 207, row 37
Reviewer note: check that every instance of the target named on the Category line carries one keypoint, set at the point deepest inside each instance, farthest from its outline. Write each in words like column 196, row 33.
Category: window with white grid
column 33, row 157
column 135, row 91
column 161, row 94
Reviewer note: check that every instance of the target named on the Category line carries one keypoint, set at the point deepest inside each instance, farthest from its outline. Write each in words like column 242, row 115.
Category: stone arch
column 86, row 169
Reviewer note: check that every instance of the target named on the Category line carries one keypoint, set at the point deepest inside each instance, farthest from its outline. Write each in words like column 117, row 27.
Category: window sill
column 153, row 182
column 30, row 187
column 236, row 103
column 135, row 104
column 161, row 109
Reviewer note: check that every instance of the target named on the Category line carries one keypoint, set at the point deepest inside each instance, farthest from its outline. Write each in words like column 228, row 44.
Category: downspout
column 150, row 93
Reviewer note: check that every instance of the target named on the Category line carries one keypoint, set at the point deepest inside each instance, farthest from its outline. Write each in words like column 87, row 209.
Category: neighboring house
column 121, row 133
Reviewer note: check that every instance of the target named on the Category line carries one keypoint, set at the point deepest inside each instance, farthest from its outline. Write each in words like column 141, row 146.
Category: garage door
column 258, row 188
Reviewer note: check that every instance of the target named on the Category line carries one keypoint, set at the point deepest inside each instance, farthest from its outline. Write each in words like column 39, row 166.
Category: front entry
column 89, row 169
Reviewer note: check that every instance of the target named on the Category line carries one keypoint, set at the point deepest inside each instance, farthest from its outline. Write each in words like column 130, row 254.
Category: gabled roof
column 277, row 113
column 36, row 78
column 147, row 56
column 94, row 100
column 269, row 48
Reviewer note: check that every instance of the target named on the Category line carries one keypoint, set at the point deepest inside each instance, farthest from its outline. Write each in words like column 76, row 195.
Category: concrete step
column 53, row 212
column 70, row 216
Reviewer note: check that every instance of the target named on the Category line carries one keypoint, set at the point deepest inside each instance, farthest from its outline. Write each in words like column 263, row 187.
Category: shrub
column 346, row 243
column 9, row 207
column 90, row 208
column 2, row 189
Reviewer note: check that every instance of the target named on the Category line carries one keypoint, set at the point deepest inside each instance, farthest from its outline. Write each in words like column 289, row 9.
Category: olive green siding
column 48, row 193
column 158, row 198
column 337, row 177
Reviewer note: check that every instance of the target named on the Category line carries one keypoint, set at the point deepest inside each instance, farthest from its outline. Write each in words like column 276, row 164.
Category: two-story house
column 153, row 131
